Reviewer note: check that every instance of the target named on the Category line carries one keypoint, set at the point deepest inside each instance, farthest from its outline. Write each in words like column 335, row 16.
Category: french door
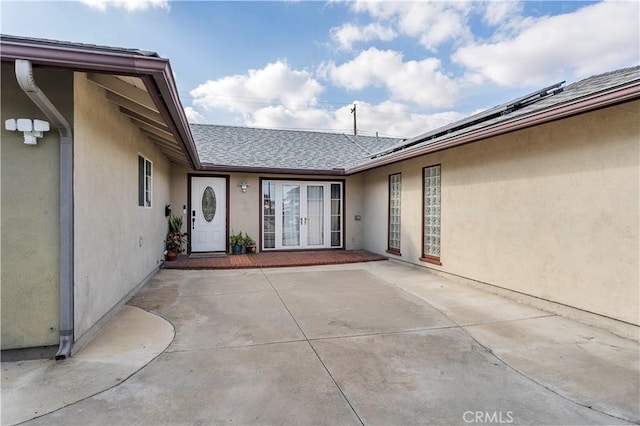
column 301, row 215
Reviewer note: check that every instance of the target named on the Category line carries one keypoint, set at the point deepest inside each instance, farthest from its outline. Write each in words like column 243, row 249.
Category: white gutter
column 24, row 75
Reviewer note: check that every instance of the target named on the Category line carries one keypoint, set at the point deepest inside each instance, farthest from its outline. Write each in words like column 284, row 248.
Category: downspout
column 24, row 75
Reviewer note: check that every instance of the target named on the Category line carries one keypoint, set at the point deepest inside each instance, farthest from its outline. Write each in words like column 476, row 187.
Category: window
column 336, row 215
column 269, row 214
column 395, row 190
column 145, row 181
column 301, row 214
column 431, row 214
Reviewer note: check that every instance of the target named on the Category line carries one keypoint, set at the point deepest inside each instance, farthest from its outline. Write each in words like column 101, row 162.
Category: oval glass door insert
column 208, row 204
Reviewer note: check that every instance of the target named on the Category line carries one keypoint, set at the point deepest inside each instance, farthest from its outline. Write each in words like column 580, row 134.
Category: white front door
column 208, row 214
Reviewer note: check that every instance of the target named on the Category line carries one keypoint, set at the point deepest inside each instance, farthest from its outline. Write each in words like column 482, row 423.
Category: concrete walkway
column 373, row 343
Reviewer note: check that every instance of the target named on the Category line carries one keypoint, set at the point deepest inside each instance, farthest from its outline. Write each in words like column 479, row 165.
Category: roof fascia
column 163, row 90
column 272, row 170
column 155, row 72
column 601, row 100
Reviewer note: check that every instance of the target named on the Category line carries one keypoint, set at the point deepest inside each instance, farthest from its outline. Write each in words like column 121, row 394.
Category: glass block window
column 145, row 181
column 395, row 190
column 431, row 211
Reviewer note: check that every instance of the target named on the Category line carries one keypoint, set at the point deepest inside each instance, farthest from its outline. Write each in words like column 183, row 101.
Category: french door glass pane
column 336, row 215
column 290, row 215
column 269, row 214
column 315, row 215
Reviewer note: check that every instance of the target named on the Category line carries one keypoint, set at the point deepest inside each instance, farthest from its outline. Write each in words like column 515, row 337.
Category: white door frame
column 302, row 214
column 191, row 207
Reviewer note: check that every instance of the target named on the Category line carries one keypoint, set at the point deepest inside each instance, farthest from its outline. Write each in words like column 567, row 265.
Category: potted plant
column 175, row 238
column 249, row 243
column 236, row 241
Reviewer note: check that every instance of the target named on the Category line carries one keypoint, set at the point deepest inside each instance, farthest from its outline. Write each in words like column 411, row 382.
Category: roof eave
column 609, row 98
column 271, row 170
column 154, row 71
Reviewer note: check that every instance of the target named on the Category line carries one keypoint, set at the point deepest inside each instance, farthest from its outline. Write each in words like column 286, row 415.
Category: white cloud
column 275, row 83
column 348, row 34
column 278, row 96
column 593, row 39
column 193, row 116
column 499, row 12
column 432, row 23
column 387, row 118
column 393, row 118
column 421, row 82
column 128, row 5
column 286, row 118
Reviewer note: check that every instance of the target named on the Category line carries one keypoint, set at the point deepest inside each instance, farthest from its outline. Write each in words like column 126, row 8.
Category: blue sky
column 409, row 66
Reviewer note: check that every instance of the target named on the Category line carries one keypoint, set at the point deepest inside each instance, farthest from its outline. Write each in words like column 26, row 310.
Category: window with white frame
column 431, row 214
column 395, row 191
column 145, row 182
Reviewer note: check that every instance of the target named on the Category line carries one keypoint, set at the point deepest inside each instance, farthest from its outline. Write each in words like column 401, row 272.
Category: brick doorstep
column 275, row 260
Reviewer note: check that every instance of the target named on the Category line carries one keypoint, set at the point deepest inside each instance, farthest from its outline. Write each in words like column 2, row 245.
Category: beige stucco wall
column 117, row 243
column 244, row 214
column 30, row 218
column 550, row 211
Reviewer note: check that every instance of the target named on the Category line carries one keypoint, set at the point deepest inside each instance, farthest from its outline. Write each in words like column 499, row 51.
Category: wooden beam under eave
column 165, row 144
column 175, row 157
column 150, row 114
column 115, row 85
column 154, row 130
column 180, row 159
column 170, row 150
column 142, row 118
column 169, row 141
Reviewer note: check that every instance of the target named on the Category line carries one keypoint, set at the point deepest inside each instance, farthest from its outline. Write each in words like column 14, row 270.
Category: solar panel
column 496, row 111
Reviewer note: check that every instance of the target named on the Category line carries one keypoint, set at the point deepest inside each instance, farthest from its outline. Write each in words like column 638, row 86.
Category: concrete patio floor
column 369, row 343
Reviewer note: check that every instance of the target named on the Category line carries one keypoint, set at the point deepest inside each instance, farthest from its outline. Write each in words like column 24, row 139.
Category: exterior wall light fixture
column 243, row 185
column 32, row 129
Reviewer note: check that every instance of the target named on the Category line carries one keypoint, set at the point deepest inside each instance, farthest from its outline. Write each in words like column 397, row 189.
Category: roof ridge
column 327, row 132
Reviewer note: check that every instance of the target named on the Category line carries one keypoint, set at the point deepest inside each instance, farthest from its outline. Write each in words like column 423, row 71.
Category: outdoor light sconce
column 32, row 129
column 243, row 185
column 167, row 210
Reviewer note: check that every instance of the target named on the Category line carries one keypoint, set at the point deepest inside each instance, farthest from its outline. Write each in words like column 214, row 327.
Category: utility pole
column 353, row 111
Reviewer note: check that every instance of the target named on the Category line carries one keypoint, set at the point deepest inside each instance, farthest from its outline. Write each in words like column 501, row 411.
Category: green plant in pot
column 249, row 243
column 236, row 241
column 175, row 241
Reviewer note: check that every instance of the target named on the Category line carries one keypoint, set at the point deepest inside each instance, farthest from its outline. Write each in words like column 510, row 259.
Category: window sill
column 394, row 251
column 431, row 259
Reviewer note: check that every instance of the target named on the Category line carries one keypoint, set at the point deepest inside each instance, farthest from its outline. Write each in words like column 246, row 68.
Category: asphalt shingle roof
column 306, row 151
column 573, row 92
column 283, row 149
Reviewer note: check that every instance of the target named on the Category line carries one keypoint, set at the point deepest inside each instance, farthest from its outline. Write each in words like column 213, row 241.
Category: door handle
column 193, row 219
